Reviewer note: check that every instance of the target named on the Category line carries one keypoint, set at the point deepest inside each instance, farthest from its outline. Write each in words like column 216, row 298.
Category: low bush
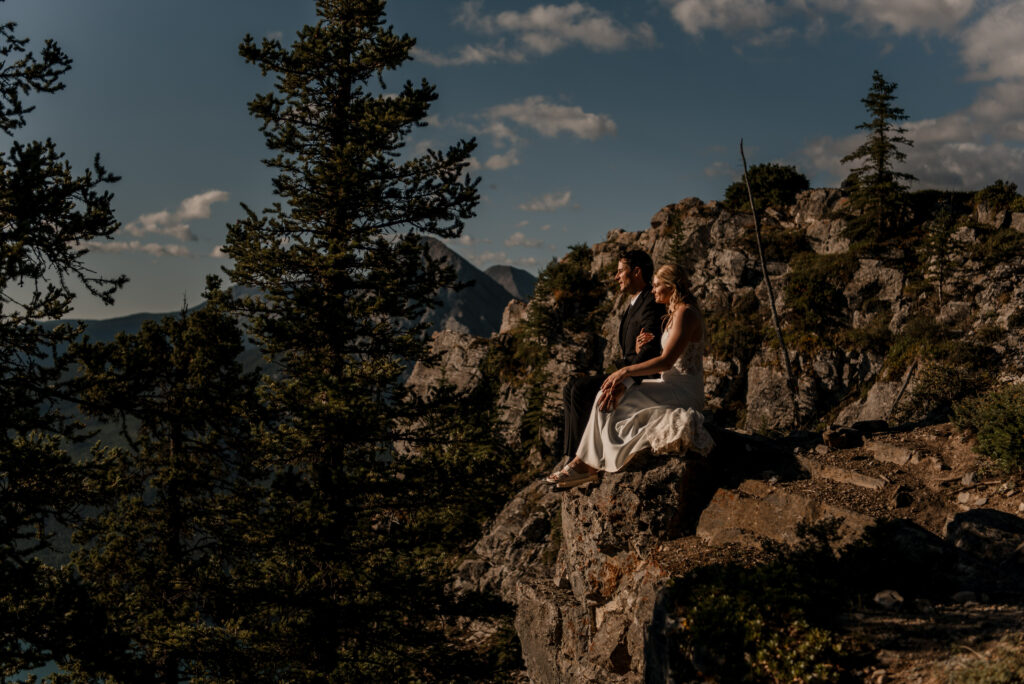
column 814, row 294
column 568, row 299
column 772, row 185
column 766, row 623
column 999, row 196
column 997, row 419
column 737, row 333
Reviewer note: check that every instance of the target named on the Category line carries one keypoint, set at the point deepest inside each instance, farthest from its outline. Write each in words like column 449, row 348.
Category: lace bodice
column 691, row 361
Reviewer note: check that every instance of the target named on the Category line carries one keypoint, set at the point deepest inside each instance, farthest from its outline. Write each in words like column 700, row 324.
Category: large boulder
column 590, row 621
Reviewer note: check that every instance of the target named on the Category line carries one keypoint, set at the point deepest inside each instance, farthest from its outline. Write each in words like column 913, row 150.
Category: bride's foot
column 572, row 475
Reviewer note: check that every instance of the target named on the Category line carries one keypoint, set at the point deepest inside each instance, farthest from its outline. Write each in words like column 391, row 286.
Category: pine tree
column 343, row 276
column 877, row 190
column 167, row 556
column 47, row 215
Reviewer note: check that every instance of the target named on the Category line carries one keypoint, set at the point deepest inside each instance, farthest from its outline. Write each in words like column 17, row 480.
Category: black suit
column 580, row 392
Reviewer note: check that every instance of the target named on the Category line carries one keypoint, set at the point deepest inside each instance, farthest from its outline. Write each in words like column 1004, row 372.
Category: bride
column 629, row 416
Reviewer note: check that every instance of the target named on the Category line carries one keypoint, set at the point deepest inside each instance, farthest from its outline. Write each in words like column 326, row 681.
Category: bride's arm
column 685, row 329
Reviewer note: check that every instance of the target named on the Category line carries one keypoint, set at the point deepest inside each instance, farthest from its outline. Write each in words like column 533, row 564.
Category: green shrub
column 814, row 293
column 737, row 333
column 778, row 243
column 997, row 419
column 1000, row 196
column 996, row 246
column 926, row 205
column 1003, row 664
column 767, row 623
column 567, row 299
column 875, row 336
column 772, row 185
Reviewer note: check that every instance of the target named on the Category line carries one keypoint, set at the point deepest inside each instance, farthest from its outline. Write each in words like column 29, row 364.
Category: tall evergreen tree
column 166, row 556
column 877, row 190
column 47, row 214
column 343, row 276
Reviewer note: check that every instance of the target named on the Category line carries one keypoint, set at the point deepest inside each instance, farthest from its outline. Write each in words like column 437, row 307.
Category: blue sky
column 590, row 116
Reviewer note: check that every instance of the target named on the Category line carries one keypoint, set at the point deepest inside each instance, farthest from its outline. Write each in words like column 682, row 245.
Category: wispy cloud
column 175, row 224
column 764, row 22
column 152, row 248
column 696, row 16
column 550, row 119
column 539, row 31
column 548, row 202
column 526, row 262
column 518, row 239
column 497, row 162
column 902, row 16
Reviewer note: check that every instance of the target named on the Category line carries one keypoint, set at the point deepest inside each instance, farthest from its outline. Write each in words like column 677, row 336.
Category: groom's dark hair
column 637, row 258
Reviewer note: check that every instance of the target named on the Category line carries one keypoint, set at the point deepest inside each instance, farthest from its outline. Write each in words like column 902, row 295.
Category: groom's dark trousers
column 581, row 391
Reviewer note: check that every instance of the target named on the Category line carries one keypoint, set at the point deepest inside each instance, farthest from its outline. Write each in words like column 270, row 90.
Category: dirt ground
column 926, row 475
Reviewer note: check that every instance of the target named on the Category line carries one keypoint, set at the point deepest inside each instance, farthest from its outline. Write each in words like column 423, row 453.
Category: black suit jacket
column 644, row 314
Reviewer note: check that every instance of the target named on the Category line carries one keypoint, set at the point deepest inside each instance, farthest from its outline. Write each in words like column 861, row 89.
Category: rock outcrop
column 585, row 569
column 579, row 566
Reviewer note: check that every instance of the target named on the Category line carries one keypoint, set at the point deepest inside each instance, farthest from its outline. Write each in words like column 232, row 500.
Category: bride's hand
column 613, row 380
column 642, row 339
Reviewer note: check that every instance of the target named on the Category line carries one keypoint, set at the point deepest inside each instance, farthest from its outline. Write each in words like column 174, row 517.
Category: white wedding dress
column 663, row 415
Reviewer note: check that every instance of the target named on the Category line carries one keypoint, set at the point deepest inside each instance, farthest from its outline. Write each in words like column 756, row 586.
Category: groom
column 633, row 275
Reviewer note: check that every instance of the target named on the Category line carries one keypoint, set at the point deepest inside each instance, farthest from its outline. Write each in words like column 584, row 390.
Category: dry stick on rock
column 771, row 293
column 903, row 388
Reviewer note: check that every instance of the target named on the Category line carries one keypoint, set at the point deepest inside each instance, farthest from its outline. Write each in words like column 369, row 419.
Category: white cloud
column 198, row 206
column 218, row 252
column 497, row 162
column 523, row 224
column 547, row 28
column 136, row 246
column 518, row 239
column 765, row 19
column 546, row 227
column 471, row 54
column 548, row 202
column 719, row 168
column 694, row 16
column 550, row 119
column 993, row 47
column 174, row 224
column 902, row 16
column 526, row 262
column 486, row 258
column 775, row 36
column 540, row 30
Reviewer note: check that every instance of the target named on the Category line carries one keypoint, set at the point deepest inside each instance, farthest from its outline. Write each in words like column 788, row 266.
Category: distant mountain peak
column 518, row 282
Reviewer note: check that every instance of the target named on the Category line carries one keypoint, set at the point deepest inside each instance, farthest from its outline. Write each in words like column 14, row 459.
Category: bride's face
column 662, row 291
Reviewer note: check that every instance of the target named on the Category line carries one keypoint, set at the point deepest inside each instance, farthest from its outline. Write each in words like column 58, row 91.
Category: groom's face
column 629, row 279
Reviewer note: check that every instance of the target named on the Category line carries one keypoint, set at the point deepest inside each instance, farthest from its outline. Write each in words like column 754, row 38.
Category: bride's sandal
column 553, row 477
column 568, row 477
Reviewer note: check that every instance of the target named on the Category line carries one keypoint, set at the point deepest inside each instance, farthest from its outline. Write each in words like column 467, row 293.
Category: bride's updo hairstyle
column 674, row 275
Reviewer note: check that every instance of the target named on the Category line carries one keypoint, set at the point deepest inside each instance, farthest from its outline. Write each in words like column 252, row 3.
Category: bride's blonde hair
column 674, row 275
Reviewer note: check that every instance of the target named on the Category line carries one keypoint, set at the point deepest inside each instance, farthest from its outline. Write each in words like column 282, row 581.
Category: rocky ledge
column 590, row 571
